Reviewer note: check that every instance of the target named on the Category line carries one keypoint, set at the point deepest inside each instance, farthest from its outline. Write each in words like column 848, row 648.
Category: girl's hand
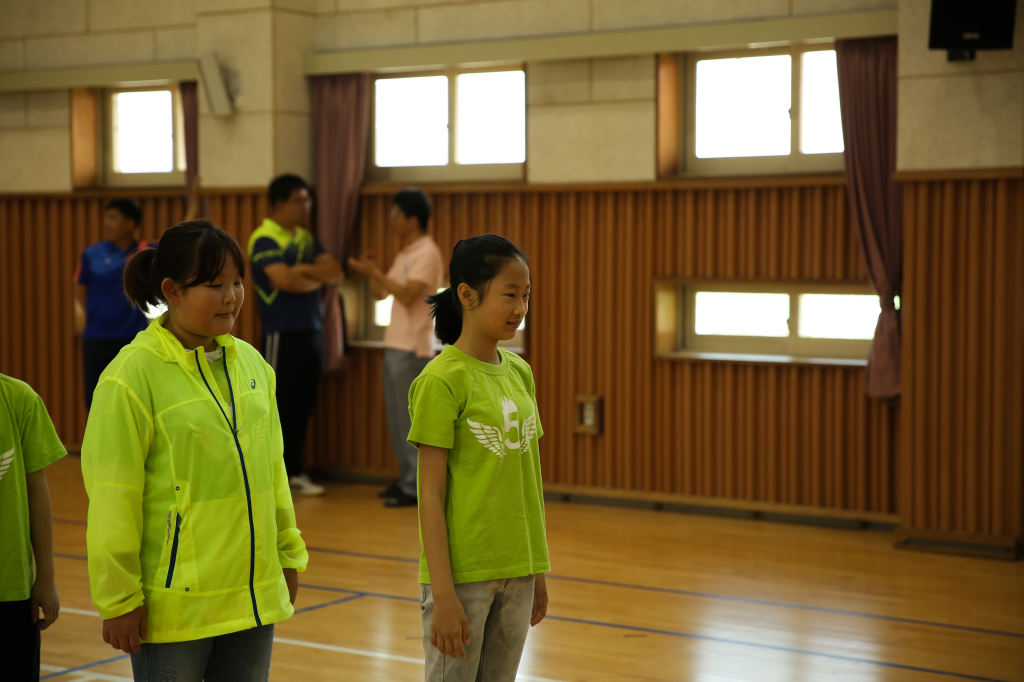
column 449, row 629
column 540, row 600
column 291, row 576
column 44, row 596
column 126, row 632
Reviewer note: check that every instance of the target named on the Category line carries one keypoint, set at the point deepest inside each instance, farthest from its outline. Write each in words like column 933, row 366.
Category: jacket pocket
column 174, row 551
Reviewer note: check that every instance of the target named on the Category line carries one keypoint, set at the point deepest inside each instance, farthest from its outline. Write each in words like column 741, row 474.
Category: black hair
column 475, row 262
column 282, row 187
column 413, row 202
column 189, row 254
column 129, row 208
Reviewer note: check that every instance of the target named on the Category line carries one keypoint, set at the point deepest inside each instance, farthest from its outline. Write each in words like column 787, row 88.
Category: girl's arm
column 449, row 631
column 117, row 438
column 40, row 513
column 291, row 548
column 540, row 600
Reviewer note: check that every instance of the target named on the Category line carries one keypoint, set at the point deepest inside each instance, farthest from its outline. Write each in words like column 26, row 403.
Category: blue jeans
column 239, row 657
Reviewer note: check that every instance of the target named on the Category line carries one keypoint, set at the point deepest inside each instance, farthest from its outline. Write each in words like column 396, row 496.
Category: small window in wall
column 144, row 137
column 763, row 111
column 451, row 125
column 376, row 318
column 791, row 320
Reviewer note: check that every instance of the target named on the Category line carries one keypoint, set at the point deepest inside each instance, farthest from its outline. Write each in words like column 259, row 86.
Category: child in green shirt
column 481, row 500
column 28, row 444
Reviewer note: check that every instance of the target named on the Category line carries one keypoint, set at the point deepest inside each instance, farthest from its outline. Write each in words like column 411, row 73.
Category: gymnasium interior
column 777, row 321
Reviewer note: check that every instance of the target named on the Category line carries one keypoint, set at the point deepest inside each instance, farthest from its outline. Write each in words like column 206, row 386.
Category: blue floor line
column 83, row 667
column 359, row 595
column 723, row 597
column 705, row 638
column 766, row 602
column 685, row 593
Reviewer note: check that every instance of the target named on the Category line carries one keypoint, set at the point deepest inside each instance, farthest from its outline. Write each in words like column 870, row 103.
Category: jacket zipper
column 174, row 552
column 245, row 475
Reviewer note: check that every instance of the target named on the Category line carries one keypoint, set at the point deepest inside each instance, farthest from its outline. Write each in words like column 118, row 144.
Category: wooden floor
column 635, row 595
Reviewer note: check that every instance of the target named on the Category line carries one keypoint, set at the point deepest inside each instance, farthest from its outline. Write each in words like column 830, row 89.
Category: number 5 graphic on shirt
column 507, row 408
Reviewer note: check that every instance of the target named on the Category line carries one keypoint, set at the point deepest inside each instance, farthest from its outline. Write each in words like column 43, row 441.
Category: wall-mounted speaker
column 215, row 85
column 963, row 26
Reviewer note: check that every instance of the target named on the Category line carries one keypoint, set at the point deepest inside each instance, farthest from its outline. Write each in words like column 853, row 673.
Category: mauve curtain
column 867, row 99
column 190, row 111
column 341, row 127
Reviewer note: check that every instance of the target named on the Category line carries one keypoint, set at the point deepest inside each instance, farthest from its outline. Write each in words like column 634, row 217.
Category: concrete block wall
column 49, row 34
column 591, row 120
column 34, row 142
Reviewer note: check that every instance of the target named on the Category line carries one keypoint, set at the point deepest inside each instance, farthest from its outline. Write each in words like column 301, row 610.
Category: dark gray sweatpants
column 400, row 369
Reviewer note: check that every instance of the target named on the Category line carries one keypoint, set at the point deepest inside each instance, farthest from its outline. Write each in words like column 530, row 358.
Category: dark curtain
column 190, row 116
column 867, row 97
column 341, row 127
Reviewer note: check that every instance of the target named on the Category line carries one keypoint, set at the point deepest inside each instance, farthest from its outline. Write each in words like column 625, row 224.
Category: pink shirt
column 412, row 328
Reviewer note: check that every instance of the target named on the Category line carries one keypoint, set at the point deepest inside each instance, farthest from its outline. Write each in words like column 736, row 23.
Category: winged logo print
column 489, row 436
column 6, row 460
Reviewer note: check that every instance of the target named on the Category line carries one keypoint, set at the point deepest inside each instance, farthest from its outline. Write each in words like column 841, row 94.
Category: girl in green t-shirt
column 481, row 500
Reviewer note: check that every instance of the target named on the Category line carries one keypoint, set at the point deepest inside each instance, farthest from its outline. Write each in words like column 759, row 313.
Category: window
column 764, row 111
column 796, row 320
column 144, row 137
column 374, row 317
column 455, row 125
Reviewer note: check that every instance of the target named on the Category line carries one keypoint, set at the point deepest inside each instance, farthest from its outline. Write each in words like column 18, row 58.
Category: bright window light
column 492, row 118
column 143, row 132
column 838, row 316
column 411, row 123
column 740, row 314
column 743, row 107
column 821, row 125
column 382, row 311
column 153, row 312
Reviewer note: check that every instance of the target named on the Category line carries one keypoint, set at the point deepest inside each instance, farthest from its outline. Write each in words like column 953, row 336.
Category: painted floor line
column 721, row 597
column 67, row 671
column 702, row 595
column 377, row 654
column 79, row 612
column 721, row 640
column 83, row 676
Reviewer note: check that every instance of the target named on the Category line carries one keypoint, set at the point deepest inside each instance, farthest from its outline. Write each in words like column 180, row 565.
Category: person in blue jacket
column 104, row 317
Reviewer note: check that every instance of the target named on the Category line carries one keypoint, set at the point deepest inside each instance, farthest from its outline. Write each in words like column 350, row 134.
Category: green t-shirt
column 28, row 443
column 486, row 417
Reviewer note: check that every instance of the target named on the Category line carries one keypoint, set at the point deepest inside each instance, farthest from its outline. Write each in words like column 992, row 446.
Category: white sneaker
column 303, row 486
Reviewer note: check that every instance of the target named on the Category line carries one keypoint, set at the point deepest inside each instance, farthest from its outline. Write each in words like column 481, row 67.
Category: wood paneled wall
column 783, row 434
column 962, row 469
column 766, row 433
column 41, row 240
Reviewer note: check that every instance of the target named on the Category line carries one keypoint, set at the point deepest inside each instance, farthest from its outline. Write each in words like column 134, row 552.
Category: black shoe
column 390, row 491
column 401, row 500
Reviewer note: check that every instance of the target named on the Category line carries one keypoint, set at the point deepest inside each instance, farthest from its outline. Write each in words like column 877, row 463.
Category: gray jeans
column 400, row 370
column 238, row 657
column 499, row 613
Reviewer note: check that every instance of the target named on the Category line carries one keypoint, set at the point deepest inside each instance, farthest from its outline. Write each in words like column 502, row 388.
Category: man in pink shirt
column 409, row 339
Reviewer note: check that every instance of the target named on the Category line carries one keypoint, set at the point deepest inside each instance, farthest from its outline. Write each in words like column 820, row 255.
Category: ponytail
column 189, row 254
column 475, row 262
column 139, row 280
column 447, row 313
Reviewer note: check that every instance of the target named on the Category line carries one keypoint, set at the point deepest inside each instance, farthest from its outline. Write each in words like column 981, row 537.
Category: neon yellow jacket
column 185, row 516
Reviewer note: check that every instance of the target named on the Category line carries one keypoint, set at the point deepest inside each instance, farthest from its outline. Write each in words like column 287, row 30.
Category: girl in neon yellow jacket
column 191, row 532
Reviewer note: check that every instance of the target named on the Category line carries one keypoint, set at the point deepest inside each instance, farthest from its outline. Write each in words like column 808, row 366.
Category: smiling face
column 505, row 303
column 208, row 309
